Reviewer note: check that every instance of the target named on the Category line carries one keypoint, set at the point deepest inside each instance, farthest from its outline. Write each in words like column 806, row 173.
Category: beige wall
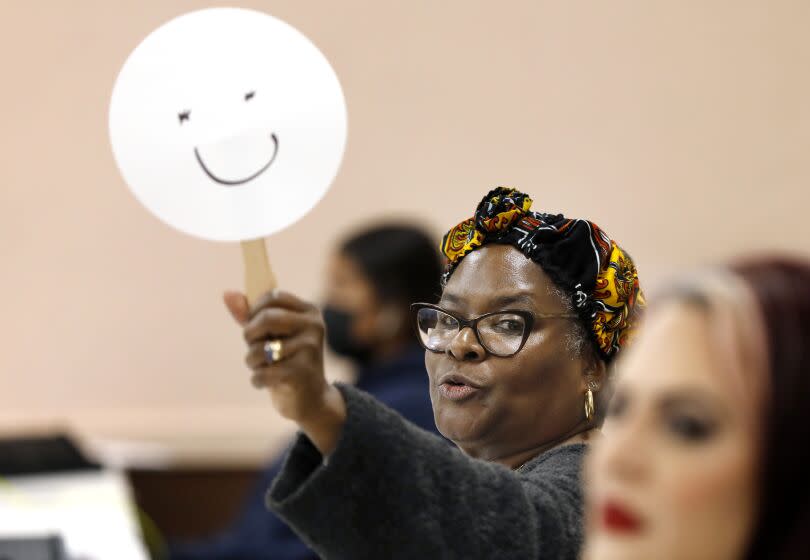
column 681, row 127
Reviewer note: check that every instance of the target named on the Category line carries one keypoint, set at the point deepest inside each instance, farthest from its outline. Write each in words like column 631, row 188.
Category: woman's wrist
column 324, row 424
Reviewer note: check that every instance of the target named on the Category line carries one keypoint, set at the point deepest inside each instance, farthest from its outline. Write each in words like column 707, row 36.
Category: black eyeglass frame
column 528, row 316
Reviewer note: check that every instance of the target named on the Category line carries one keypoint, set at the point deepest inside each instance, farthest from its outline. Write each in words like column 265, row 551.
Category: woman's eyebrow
column 681, row 398
column 496, row 302
column 522, row 297
column 450, row 298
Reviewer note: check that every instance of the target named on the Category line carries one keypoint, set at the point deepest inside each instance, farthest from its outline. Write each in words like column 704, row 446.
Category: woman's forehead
column 673, row 363
column 673, row 352
column 499, row 265
column 497, row 275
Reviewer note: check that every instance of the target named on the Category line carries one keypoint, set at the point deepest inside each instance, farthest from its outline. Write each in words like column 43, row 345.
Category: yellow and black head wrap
column 576, row 254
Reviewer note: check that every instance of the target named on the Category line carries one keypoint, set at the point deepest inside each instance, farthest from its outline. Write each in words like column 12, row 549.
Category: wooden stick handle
column 259, row 277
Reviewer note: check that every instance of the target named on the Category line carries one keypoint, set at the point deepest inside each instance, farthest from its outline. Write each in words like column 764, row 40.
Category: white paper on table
column 92, row 511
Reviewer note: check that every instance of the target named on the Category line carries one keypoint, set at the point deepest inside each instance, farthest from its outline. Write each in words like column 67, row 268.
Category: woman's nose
column 465, row 347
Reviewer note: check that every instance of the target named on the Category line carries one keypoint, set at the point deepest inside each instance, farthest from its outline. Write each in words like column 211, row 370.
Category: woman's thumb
column 237, row 304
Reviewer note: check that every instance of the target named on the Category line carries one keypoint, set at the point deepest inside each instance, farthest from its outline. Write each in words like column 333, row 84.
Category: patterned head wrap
column 576, row 254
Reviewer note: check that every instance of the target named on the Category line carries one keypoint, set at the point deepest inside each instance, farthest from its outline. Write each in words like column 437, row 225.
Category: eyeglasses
column 502, row 333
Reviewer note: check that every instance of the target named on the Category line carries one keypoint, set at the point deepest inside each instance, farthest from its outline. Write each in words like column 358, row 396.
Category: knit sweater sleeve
column 392, row 490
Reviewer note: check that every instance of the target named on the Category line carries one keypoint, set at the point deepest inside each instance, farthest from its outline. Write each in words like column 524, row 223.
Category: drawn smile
column 234, row 182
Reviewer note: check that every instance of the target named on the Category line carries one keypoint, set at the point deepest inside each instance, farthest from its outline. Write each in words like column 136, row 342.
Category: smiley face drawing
column 227, row 124
column 186, row 115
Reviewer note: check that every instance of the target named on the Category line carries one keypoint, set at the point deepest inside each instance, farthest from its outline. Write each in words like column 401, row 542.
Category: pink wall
column 681, row 128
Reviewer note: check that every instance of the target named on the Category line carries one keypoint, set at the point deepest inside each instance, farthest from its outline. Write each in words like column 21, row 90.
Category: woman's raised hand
column 282, row 324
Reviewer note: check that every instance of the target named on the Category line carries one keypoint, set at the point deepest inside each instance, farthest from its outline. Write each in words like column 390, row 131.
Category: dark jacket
column 257, row 533
column 391, row 490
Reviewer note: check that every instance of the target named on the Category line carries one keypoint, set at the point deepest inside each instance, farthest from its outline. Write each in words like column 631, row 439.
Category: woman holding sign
column 535, row 307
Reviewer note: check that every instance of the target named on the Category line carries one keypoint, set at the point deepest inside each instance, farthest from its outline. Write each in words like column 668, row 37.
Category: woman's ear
column 595, row 377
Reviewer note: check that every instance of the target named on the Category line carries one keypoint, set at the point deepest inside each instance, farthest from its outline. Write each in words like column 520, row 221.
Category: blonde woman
column 705, row 450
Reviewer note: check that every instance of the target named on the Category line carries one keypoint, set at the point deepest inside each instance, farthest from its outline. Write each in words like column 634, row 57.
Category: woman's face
column 522, row 401
column 674, row 475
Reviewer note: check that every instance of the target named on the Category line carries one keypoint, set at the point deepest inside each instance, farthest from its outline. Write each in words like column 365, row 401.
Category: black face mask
column 339, row 337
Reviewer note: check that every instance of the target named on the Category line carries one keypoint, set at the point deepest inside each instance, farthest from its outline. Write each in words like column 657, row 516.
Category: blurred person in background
column 705, row 450
column 534, row 308
column 371, row 281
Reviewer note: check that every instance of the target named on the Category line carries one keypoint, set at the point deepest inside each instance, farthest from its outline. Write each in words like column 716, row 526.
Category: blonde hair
column 737, row 329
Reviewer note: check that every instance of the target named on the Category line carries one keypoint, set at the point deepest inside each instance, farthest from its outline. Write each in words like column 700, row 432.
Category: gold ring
column 273, row 351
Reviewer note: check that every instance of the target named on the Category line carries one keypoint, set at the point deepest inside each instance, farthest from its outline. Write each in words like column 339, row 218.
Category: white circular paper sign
column 227, row 124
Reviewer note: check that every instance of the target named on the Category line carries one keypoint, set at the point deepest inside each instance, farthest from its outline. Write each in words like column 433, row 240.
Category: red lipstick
column 616, row 518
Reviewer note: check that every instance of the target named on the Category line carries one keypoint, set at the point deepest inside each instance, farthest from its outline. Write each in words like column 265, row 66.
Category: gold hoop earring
column 590, row 409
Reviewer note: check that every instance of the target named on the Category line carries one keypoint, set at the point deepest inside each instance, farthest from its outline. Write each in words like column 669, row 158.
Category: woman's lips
column 458, row 387
column 457, row 391
column 618, row 519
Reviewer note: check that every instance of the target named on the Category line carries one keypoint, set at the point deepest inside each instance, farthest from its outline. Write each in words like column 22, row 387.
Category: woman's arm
column 392, row 490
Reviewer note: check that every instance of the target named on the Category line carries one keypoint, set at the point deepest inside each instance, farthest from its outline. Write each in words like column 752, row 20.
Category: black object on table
column 41, row 455
column 47, row 548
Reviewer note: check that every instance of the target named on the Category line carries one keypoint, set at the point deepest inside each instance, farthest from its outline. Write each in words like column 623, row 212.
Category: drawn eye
column 249, row 95
column 183, row 116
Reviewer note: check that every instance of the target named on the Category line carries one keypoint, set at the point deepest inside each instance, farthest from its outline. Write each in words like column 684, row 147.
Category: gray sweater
column 391, row 490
